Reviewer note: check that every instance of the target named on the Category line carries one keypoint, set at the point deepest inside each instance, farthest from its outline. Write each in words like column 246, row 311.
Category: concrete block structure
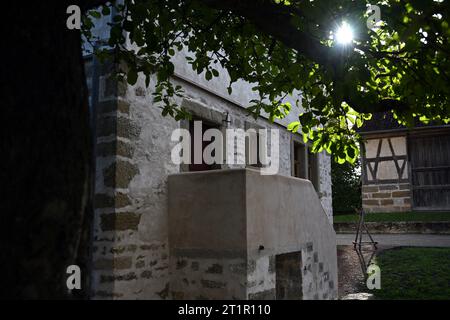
column 235, row 234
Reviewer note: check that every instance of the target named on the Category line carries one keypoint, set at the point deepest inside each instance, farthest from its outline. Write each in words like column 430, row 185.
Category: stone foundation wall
column 253, row 279
column 261, row 278
column 308, row 274
column 130, row 252
column 386, row 197
column 208, row 278
column 319, row 281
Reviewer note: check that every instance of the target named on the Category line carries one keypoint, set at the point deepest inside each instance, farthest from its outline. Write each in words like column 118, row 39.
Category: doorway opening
column 288, row 268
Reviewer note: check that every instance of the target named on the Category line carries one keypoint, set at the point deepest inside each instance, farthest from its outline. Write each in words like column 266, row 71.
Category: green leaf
column 132, row 76
column 95, row 14
column 294, row 126
column 106, row 11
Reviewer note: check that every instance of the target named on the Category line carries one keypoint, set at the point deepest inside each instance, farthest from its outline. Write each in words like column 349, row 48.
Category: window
column 313, row 170
column 205, row 126
column 253, row 149
column 299, row 161
column 305, row 163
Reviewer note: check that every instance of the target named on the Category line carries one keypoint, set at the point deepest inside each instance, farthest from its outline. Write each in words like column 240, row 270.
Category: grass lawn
column 396, row 216
column 414, row 273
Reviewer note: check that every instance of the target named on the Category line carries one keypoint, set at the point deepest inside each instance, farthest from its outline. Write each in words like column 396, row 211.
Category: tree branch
column 383, row 105
column 275, row 20
column 91, row 4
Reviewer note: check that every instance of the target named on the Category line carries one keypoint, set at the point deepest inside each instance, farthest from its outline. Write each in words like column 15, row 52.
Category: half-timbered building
column 405, row 169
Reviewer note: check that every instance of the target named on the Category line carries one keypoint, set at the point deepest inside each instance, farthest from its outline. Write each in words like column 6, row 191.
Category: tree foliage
column 287, row 46
column 346, row 182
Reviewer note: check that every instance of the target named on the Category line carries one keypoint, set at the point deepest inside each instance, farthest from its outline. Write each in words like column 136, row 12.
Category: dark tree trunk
column 46, row 145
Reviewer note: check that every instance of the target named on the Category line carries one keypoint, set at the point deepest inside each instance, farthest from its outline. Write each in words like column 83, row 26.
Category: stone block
column 215, row 268
column 385, row 202
column 195, row 266
column 238, row 268
column 120, row 221
column 387, row 187
column 213, row 284
column 370, row 202
column 117, row 263
column 112, row 278
column 119, row 174
column 401, row 194
column 119, row 127
column 368, row 189
column 123, row 106
column 147, row 274
column 269, row 294
column 381, row 195
column 140, row 91
column 120, row 200
column 126, row 128
column 404, row 186
column 251, row 266
column 181, row 264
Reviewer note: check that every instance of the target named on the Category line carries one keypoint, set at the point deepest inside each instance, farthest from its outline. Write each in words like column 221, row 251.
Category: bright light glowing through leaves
column 344, row 34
